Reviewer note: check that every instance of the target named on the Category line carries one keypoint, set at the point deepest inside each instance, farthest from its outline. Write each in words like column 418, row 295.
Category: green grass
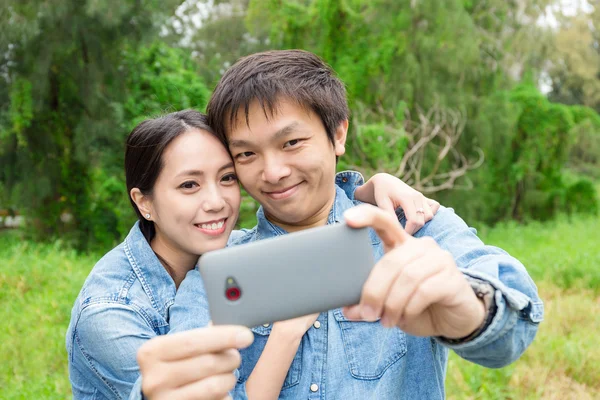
column 564, row 360
column 563, row 252
column 38, row 284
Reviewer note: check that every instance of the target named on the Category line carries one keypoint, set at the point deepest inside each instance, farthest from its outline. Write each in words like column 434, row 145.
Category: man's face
column 287, row 163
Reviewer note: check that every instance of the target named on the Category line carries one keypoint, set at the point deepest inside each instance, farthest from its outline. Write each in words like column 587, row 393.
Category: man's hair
column 271, row 76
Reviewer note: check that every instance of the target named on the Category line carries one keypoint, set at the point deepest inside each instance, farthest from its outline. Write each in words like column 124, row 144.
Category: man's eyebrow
column 286, row 130
column 281, row 133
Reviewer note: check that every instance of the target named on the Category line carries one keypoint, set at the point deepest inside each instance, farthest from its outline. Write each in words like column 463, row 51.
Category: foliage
column 575, row 63
column 68, row 98
column 585, row 153
column 74, row 95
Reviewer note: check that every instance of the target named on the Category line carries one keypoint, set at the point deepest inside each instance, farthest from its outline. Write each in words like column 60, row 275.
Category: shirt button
column 314, row 387
column 317, row 324
column 266, row 325
column 344, row 179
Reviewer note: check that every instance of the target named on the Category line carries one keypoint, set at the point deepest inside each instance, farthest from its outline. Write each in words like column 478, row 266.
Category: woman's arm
column 105, row 340
column 267, row 378
column 388, row 192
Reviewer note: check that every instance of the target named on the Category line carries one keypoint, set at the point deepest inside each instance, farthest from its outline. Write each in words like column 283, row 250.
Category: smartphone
column 288, row 276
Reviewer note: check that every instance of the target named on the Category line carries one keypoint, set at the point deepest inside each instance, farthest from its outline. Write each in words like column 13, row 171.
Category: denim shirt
column 127, row 299
column 341, row 359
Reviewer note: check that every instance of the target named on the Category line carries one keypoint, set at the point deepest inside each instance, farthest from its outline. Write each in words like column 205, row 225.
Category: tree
column 62, row 73
column 575, row 64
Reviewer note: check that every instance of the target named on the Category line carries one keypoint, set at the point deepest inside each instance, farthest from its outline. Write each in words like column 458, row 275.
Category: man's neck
column 318, row 219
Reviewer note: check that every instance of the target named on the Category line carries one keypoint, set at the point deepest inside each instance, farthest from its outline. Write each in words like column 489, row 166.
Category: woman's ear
column 143, row 202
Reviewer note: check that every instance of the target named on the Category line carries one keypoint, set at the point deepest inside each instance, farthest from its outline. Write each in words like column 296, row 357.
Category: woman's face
column 196, row 199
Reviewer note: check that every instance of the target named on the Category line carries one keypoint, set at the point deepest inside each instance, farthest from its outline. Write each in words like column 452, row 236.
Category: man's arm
column 518, row 307
column 422, row 286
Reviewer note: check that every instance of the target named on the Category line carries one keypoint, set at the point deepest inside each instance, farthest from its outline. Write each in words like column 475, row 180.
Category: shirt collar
column 155, row 280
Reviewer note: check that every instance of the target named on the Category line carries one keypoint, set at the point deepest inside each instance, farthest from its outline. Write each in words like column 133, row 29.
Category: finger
column 386, row 204
column 415, row 218
column 386, row 226
column 428, row 215
column 352, row 313
column 430, row 291
column 383, row 275
column 435, row 206
column 213, row 387
column 406, row 283
column 196, row 342
column 186, row 371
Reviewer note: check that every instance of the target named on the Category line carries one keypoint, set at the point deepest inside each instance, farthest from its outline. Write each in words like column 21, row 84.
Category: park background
column 489, row 106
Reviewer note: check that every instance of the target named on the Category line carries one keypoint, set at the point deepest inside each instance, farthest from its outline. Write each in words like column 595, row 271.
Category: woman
column 183, row 188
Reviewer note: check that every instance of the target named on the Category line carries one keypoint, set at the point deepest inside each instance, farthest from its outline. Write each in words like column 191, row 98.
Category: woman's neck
column 176, row 262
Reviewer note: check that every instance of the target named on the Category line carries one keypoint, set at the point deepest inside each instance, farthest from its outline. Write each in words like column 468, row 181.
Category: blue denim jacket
column 127, row 299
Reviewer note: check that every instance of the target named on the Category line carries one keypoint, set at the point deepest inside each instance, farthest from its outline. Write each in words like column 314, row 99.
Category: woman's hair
column 143, row 154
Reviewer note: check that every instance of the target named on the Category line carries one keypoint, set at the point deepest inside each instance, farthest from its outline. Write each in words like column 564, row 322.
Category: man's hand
column 416, row 285
column 195, row 364
column 388, row 193
column 295, row 328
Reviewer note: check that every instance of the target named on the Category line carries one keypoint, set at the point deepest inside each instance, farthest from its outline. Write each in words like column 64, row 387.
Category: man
column 284, row 117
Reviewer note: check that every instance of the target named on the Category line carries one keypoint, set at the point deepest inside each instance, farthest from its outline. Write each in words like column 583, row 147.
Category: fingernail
column 368, row 313
column 244, row 338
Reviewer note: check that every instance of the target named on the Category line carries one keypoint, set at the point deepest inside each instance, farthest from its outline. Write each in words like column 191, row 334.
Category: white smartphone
column 289, row 276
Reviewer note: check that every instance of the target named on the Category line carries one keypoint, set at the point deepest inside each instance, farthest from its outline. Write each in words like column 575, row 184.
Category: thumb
column 385, row 225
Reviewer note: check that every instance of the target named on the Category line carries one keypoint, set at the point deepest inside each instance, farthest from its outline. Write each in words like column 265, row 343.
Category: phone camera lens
column 233, row 294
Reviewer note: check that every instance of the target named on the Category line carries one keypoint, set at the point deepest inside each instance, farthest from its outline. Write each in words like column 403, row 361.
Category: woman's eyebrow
column 226, row 166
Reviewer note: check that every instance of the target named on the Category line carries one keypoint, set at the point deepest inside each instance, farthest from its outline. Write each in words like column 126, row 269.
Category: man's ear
column 339, row 138
column 143, row 202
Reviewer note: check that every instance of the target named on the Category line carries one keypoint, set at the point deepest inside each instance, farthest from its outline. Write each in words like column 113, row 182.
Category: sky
column 566, row 7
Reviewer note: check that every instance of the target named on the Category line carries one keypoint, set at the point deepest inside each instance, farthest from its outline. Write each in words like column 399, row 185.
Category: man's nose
column 275, row 169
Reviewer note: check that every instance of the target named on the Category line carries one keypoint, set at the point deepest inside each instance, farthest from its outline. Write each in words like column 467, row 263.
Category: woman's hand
column 388, row 193
column 294, row 328
column 196, row 364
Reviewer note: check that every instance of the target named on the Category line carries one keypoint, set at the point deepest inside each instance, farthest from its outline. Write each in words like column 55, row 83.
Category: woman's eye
column 188, row 185
column 229, row 178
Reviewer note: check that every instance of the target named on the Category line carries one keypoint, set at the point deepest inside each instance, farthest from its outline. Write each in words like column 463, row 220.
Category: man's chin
column 283, row 216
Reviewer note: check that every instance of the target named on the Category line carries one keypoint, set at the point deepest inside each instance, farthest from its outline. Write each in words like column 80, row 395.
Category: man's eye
column 245, row 154
column 188, row 185
column 292, row 143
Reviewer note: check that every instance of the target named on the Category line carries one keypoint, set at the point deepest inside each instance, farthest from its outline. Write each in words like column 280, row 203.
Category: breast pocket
column 369, row 347
column 251, row 355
